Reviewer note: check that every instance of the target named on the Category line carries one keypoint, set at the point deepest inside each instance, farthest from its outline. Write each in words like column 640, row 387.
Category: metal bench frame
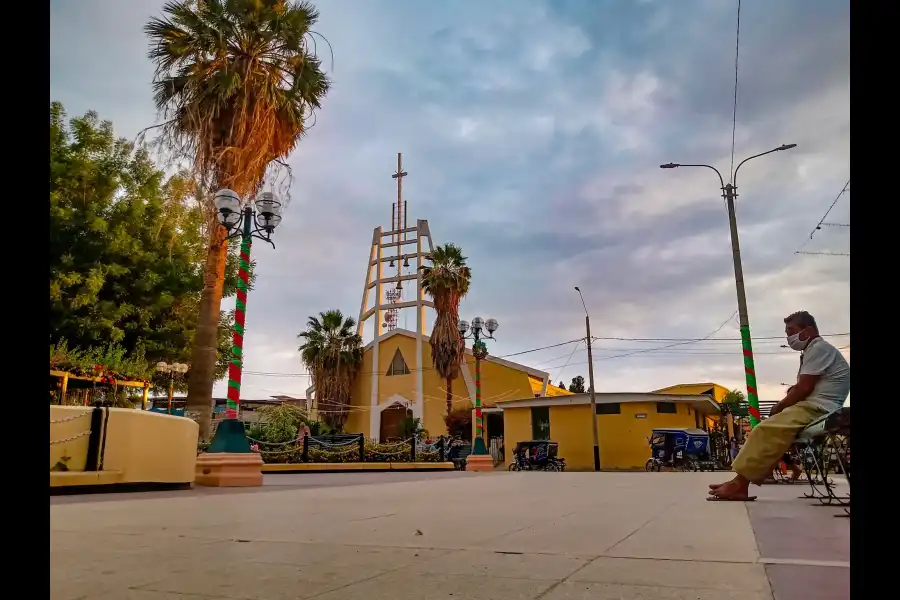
column 822, row 446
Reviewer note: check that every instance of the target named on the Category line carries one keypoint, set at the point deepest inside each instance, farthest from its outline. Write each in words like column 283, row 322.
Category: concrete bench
column 824, row 449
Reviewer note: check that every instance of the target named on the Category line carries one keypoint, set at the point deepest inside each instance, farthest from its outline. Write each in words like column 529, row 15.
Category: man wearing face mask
column 823, row 384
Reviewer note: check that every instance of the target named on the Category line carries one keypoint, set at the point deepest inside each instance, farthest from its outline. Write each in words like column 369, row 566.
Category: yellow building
column 714, row 390
column 405, row 385
column 624, row 421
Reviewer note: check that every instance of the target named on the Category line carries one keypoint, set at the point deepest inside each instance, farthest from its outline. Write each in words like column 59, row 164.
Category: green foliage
column 459, row 422
column 345, row 454
column 236, row 82
column 735, row 403
column 577, row 385
column 412, row 427
column 127, row 245
column 447, row 281
column 333, row 352
column 280, row 423
column 111, row 357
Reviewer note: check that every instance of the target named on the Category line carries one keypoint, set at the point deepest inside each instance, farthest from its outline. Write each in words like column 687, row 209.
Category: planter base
column 229, row 469
column 479, row 462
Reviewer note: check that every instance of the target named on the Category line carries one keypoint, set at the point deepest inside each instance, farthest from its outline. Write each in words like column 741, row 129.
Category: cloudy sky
column 532, row 131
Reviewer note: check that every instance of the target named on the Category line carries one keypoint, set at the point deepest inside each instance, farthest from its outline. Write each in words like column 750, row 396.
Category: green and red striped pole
column 237, row 339
column 750, row 373
column 479, row 351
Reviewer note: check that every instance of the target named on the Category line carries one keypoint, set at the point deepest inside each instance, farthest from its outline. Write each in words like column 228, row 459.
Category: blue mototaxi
column 682, row 448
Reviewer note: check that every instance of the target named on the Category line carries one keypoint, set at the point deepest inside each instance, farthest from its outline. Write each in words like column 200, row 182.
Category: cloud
column 532, row 133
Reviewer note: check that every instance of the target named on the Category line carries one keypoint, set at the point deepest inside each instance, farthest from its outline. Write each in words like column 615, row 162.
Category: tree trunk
column 449, row 395
column 204, row 354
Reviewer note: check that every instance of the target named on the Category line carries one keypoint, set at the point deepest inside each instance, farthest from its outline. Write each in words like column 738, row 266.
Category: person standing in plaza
column 823, row 384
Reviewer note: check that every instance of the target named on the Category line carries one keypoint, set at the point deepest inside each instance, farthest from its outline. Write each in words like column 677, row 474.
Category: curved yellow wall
column 141, row 446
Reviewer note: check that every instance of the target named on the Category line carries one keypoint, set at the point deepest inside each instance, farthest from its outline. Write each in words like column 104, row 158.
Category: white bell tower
column 402, row 250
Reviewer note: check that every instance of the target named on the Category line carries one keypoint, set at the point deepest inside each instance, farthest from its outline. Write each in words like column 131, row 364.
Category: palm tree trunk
column 204, row 353
column 449, row 395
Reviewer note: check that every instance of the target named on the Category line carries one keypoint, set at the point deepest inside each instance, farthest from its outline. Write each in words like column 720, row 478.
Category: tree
column 735, row 403
column 235, row 83
column 577, row 385
column 459, row 422
column 333, row 354
column 447, row 281
column 125, row 251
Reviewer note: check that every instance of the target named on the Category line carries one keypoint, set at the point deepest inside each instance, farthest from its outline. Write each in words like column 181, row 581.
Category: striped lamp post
column 240, row 219
column 729, row 193
column 480, row 352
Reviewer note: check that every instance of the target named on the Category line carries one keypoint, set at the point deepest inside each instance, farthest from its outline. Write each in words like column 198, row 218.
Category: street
column 450, row 535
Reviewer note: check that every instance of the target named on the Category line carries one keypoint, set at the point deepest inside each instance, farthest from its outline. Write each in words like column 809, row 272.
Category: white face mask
column 796, row 343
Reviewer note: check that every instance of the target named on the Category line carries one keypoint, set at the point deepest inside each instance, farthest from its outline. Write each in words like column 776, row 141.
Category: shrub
column 459, row 422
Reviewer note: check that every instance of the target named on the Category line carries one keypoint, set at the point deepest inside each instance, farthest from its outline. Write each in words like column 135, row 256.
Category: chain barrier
column 327, row 445
column 347, row 451
column 73, row 418
column 70, row 439
column 256, row 441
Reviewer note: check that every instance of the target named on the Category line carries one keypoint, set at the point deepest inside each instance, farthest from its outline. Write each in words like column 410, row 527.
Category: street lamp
column 596, row 434
column 172, row 370
column 729, row 193
column 479, row 351
column 240, row 219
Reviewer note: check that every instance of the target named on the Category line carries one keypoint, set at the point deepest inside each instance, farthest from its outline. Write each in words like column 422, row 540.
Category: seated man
column 823, row 384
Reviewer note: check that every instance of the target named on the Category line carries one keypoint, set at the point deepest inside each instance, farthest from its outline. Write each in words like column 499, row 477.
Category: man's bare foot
column 715, row 486
column 737, row 490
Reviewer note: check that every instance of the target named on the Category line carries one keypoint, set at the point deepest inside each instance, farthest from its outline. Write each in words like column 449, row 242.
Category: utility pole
column 593, row 388
column 729, row 193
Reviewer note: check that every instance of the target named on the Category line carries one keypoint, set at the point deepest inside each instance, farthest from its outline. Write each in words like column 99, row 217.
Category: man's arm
column 798, row 392
column 816, row 361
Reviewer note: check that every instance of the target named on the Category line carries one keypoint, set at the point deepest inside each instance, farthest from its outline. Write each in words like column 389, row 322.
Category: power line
column 680, row 342
column 710, row 339
column 737, row 50
column 822, row 220
column 825, row 253
column 834, row 224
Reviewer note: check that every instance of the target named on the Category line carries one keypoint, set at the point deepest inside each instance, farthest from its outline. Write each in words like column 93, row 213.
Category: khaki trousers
column 771, row 439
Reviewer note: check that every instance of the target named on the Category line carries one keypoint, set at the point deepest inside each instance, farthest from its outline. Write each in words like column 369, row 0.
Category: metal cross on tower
column 404, row 247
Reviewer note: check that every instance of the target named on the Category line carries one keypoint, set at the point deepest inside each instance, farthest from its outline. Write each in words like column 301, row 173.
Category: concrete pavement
column 455, row 536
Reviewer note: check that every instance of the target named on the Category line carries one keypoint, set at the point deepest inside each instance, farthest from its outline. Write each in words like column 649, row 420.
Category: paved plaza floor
column 450, row 536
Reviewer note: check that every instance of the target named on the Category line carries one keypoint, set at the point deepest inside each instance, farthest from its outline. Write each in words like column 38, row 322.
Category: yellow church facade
column 406, row 385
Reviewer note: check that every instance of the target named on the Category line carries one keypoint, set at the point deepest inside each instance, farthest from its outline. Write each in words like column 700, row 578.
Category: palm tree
column 333, row 353
column 447, row 282
column 235, row 82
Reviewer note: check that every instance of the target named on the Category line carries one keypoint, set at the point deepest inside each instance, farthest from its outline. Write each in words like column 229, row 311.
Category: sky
column 532, row 132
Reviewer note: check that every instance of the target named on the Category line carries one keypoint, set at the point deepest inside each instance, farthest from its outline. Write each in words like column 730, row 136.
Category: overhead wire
column 822, row 220
column 680, row 342
column 737, row 50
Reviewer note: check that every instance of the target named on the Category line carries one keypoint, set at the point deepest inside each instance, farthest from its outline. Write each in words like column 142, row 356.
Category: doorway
column 392, row 419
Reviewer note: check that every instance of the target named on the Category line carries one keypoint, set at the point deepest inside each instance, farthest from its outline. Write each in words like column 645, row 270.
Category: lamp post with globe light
column 729, row 193
column 172, row 370
column 480, row 352
column 241, row 220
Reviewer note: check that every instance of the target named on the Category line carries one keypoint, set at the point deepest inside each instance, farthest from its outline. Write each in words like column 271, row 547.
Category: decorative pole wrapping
column 237, row 340
column 750, row 371
column 479, row 351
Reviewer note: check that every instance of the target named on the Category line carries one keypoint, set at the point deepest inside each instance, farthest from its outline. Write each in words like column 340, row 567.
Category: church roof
column 493, row 359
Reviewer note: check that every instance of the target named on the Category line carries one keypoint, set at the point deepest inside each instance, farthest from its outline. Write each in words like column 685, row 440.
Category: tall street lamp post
column 729, row 193
column 173, row 369
column 480, row 352
column 587, row 325
column 240, row 219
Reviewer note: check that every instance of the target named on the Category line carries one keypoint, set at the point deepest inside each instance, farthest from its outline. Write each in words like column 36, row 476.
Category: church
column 397, row 379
